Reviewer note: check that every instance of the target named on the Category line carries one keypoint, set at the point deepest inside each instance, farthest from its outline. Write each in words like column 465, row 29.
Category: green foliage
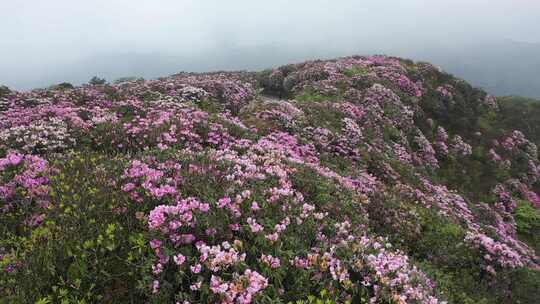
column 88, row 249
column 356, row 71
column 64, row 86
column 323, row 114
column 339, row 164
column 525, row 284
column 324, row 194
column 518, row 113
column 310, row 95
column 271, row 85
column 324, row 297
column 442, row 240
column 444, row 256
column 128, row 79
column 210, row 106
column 527, row 218
column 4, row 91
column 528, row 223
column 460, row 286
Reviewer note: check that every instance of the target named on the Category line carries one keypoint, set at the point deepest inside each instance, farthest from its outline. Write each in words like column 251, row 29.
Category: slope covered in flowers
column 355, row 180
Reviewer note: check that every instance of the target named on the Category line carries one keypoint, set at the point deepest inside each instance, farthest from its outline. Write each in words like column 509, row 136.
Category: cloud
column 55, row 37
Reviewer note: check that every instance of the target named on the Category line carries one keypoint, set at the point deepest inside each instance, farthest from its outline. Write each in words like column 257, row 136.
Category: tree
column 4, row 90
column 97, row 81
column 64, row 86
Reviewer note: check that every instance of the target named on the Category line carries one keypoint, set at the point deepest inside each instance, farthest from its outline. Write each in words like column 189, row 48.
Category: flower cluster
column 446, row 91
column 460, row 147
column 27, row 187
column 157, row 180
column 219, row 257
column 242, row 289
column 392, row 276
column 426, row 154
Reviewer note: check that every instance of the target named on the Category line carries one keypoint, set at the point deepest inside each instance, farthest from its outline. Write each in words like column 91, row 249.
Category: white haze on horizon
column 45, row 42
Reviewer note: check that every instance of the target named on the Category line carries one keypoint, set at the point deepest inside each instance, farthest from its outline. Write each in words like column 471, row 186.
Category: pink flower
column 195, row 286
column 272, row 237
column 211, row 231
column 204, row 207
column 179, row 259
column 223, row 202
column 155, row 286
column 196, row 269
column 217, row 286
column 270, row 261
column 254, row 226
column 155, row 244
column 157, row 268
column 14, row 159
column 128, row 187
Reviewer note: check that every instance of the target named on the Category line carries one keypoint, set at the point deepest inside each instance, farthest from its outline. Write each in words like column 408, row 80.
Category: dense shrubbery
column 377, row 181
column 4, row 90
column 97, row 81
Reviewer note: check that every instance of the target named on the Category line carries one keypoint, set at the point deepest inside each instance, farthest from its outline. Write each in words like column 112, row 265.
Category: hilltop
column 363, row 179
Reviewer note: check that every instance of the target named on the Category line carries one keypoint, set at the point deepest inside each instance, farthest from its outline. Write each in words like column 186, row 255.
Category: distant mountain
column 500, row 67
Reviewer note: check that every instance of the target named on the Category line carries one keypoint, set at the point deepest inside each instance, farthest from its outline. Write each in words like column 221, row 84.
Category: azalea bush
column 354, row 180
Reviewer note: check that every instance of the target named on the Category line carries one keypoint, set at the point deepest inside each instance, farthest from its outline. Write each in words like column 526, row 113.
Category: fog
column 46, row 42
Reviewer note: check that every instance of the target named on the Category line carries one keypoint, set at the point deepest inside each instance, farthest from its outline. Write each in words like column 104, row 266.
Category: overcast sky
column 46, row 41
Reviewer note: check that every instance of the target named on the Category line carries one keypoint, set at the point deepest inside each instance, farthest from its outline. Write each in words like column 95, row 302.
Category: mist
column 489, row 43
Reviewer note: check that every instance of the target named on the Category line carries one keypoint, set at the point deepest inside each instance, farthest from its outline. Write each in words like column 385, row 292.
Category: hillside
column 355, row 180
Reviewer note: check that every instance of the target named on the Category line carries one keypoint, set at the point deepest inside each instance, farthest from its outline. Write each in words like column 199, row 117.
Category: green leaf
column 46, row 300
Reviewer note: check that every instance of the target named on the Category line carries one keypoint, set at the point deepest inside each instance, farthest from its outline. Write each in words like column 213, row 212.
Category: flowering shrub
column 376, row 180
column 24, row 189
